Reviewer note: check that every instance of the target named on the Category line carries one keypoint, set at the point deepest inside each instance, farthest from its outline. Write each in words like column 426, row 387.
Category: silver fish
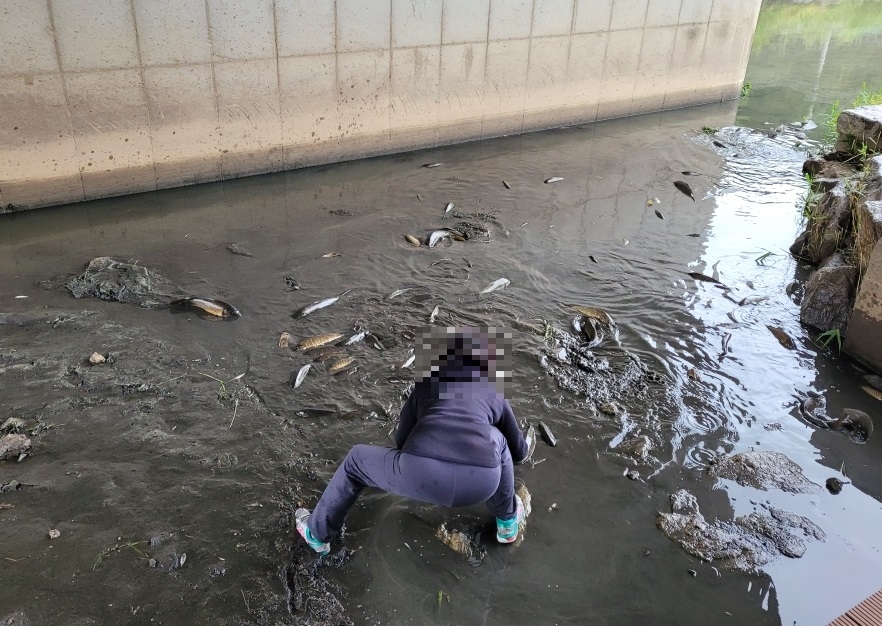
column 409, row 361
column 301, row 375
column 432, row 165
column 499, row 283
column 437, row 236
column 398, row 292
column 553, row 179
column 449, row 207
column 355, row 338
column 318, row 304
column 752, row 300
column 434, row 314
column 218, row 308
column 506, row 184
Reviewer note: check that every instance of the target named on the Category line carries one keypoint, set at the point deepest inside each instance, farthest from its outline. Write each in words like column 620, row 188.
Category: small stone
column 13, row 447
column 54, row 533
column 96, row 358
column 13, row 424
column 693, row 573
column 611, row 408
column 694, row 375
column 632, row 474
column 152, row 563
column 834, row 485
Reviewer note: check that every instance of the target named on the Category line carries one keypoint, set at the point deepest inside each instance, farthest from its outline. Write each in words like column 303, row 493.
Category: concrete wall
column 106, row 97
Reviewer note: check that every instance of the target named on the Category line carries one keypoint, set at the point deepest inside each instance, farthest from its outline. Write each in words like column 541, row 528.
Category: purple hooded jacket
column 450, row 416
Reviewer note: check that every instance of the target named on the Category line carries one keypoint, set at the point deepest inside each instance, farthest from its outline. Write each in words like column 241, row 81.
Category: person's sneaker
column 301, row 516
column 507, row 530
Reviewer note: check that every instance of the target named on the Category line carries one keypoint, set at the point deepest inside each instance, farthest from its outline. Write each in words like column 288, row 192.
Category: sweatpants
column 416, row 477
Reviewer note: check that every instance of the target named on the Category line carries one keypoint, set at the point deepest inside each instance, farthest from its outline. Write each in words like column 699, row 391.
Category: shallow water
column 221, row 476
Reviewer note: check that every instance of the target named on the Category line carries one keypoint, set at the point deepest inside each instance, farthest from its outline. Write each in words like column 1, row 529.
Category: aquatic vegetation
column 830, row 336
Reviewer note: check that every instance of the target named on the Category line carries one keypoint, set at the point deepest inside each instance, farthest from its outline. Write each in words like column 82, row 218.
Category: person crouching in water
column 456, row 443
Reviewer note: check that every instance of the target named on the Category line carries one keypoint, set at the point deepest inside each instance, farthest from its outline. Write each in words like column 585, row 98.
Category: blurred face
column 491, row 346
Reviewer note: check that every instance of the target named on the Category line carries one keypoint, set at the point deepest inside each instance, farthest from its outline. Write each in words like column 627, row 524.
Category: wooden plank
column 867, row 613
column 864, row 616
column 843, row 620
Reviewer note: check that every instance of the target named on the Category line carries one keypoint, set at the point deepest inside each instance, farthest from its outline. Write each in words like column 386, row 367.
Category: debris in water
column 726, row 339
column 752, row 300
column 239, row 249
column 413, row 240
column 448, row 208
column 291, row 284
column 694, row 375
column 611, row 408
column 13, row 447
column 547, row 436
column 834, row 485
column 653, row 201
column 599, row 314
column 301, row 375
column 694, row 235
column 284, row 339
column 54, row 533
column 96, row 358
column 631, row 474
column 659, row 214
column 218, row 308
column 318, row 304
column 506, row 184
column 320, row 340
column 625, row 242
column 782, row 337
column 704, row 277
column 460, row 543
column 857, row 422
column 719, row 144
column 690, row 173
column 693, row 573
column 553, row 179
column 330, row 255
column 684, row 188
column 591, row 256
column 499, row 283
column 340, row 365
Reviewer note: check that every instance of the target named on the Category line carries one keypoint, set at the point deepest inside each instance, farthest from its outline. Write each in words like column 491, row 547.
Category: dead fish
column 859, row 423
column 704, row 277
column 530, row 438
column 413, row 240
column 434, row 314
column 587, row 326
column 872, row 392
column 419, row 197
column 318, row 341
column 726, row 339
column 784, row 339
column 284, row 339
column 298, row 380
column 599, row 314
column 685, row 188
column 432, row 165
column 235, row 248
column 355, row 338
column 694, row 235
column 318, row 304
column 690, row 173
column 409, row 361
column 330, row 255
column 398, row 292
column 437, row 236
column 448, row 208
column 506, row 184
column 499, row 283
column 553, row 179
column 752, row 300
column 659, row 215
column 209, row 305
column 719, row 144
column 591, row 256
column 547, row 435
column 340, row 364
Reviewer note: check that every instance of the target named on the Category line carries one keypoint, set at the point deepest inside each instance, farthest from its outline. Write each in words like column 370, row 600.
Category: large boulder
column 860, row 127
column 829, row 294
column 828, row 223
column 873, row 178
column 868, row 228
column 821, row 167
column 863, row 340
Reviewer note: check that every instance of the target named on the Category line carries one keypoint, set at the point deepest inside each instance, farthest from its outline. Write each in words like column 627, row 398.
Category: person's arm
column 406, row 420
column 517, row 444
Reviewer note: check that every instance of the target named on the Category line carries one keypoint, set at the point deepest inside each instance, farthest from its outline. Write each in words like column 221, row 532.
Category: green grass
column 830, row 336
column 845, row 22
column 745, row 91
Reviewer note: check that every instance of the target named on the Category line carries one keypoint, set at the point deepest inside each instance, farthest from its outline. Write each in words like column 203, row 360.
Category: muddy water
column 148, row 456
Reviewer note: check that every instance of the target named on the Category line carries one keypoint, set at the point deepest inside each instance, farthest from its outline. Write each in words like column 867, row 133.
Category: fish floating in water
column 331, row 255
column 859, row 423
column 238, row 249
column 434, row 314
column 355, row 338
column 409, row 361
column 587, row 327
column 448, row 208
column 218, row 308
column 782, row 337
column 553, row 179
column 591, row 256
column 598, row 314
column 284, row 339
column 499, row 283
column 506, row 184
column 437, row 236
column 413, row 240
column 341, row 364
column 398, row 292
column 659, row 215
column 298, row 380
column 433, row 165
column 328, row 353
column 318, row 304
column 547, row 435
column 872, row 392
column 530, row 437
column 690, row 173
column 704, row 278
column 317, row 342
column 694, row 235
column 684, row 188
column 719, row 144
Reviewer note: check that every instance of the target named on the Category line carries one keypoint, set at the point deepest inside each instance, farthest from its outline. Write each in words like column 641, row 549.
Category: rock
column 874, row 381
column 863, row 338
column 610, row 408
column 746, row 543
column 797, row 248
column 834, row 485
column 54, row 533
column 13, row 446
column 632, row 474
column 821, row 167
column 12, row 425
column 828, row 224
column 96, row 358
column 860, row 127
column 873, row 178
column 764, row 470
column 828, row 297
column 12, row 485
column 868, row 224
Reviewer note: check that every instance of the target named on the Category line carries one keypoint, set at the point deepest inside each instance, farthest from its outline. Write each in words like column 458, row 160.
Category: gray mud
column 121, row 281
column 764, row 470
